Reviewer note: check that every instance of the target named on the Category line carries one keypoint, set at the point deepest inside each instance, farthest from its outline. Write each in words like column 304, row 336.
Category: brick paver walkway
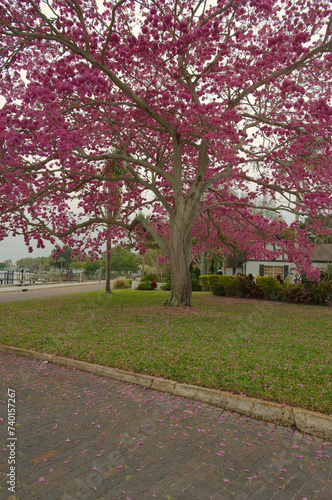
column 82, row 436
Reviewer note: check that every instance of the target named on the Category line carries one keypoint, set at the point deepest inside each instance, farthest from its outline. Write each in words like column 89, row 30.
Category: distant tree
column 92, row 266
column 25, row 262
column 6, row 264
column 77, row 264
column 62, row 257
column 34, row 263
column 123, row 260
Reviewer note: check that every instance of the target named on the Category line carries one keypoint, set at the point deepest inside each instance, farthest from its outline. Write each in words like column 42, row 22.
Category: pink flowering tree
column 191, row 109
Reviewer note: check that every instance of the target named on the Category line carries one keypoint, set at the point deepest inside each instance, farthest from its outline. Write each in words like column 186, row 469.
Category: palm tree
column 150, row 243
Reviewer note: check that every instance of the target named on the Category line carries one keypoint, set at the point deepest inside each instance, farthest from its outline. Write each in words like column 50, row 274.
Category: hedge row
column 241, row 285
column 195, row 284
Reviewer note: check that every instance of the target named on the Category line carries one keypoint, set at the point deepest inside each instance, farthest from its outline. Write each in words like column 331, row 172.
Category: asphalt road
column 46, row 291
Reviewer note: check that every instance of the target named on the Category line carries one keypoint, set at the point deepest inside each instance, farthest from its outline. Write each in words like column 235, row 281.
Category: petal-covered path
column 83, row 436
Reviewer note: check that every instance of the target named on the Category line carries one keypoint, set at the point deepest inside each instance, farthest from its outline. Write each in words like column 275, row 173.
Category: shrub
column 256, row 292
column 215, row 285
column 231, row 286
column 295, row 292
column 120, row 283
column 317, row 292
column 219, row 284
column 321, row 293
column 196, row 286
column 246, row 287
column 240, row 285
column 277, row 294
column 204, row 281
column 270, row 287
column 153, row 284
column 149, row 277
column 167, row 285
column 326, row 274
column 145, row 285
column 149, row 282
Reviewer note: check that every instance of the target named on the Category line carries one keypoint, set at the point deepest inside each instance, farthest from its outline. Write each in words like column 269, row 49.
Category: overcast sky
column 15, row 249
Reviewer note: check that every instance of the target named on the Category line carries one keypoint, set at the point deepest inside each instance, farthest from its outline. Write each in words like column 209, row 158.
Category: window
column 273, row 271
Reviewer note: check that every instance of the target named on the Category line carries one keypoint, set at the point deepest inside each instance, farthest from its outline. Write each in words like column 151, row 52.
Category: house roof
column 236, row 259
column 322, row 252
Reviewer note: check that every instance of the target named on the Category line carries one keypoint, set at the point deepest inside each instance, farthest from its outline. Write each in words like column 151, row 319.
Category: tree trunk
column 108, row 267
column 179, row 260
column 201, row 262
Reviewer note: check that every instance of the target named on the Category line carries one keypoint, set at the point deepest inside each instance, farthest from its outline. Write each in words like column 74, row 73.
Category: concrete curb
column 316, row 424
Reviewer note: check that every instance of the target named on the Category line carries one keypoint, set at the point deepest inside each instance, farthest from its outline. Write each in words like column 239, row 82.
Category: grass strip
column 269, row 350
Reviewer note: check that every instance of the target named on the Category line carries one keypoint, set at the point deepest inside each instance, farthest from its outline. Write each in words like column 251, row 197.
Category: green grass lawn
column 269, row 350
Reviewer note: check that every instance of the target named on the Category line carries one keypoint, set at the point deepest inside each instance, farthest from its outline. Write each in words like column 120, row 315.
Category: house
column 322, row 255
column 239, row 263
column 234, row 263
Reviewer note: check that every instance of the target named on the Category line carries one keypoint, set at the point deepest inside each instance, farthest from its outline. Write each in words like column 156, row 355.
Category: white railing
column 37, row 277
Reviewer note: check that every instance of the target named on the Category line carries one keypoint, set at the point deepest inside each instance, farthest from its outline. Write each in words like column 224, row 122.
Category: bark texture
column 179, row 260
